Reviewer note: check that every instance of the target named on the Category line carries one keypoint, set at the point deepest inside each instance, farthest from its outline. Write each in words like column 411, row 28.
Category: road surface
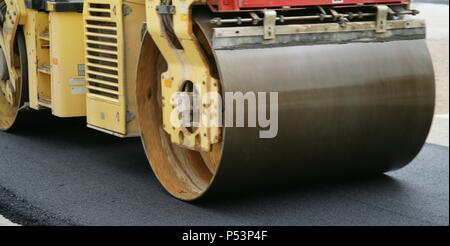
column 58, row 172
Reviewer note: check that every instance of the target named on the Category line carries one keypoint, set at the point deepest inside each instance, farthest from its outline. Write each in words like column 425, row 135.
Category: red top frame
column 243, row 5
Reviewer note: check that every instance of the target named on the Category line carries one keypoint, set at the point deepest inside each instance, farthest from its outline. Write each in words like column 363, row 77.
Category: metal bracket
column 130, row 116
column 382, row 14
column 126, row 9
column 185, row 67
column 322, row 14
column 255, row 18
column 335, row 14
column 165, row 9
column 25, row 107
column 270, row 19
column 143, row 31
column 339, row 18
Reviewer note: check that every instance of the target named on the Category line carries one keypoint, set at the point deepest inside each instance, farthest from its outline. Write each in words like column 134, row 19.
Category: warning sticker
column 78, row 90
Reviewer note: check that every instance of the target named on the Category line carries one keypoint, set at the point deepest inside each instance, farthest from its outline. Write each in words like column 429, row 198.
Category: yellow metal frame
column 188, row 64
column 39, row 84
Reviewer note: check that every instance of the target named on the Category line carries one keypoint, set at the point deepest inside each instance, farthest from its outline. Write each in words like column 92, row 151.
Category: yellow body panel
column 56, row 62
column 67, row 64
column 133, row 23
column 112, row 39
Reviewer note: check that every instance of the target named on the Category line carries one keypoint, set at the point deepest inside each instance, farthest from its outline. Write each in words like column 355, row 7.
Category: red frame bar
column 242, row 5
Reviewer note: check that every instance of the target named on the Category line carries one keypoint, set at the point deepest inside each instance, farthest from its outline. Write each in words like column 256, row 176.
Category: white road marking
column 6, row 222
column 445, row 116
column 439, row 130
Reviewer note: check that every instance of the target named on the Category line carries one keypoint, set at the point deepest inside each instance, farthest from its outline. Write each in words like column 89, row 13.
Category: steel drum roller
column 344, row 110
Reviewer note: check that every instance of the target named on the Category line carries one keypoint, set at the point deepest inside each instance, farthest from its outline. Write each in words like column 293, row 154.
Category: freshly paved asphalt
column 56, row 171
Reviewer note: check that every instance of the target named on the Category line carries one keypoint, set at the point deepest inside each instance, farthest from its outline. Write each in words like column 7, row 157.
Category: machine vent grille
column 102, row 52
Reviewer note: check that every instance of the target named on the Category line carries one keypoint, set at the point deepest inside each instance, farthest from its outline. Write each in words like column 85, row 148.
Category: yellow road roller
column 228, row 96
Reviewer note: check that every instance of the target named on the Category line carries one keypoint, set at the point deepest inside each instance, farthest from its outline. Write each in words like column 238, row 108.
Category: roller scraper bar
column 246, row 5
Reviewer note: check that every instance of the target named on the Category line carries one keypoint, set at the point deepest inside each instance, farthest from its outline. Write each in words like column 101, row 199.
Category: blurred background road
column 62, row 173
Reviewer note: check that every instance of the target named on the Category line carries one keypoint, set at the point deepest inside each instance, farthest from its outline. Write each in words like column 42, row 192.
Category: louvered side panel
column 103, row 22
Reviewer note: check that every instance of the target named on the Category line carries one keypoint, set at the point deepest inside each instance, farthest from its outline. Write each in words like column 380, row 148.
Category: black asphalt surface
column 56, row 172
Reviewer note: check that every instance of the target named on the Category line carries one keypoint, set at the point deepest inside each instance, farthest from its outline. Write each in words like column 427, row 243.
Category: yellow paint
column 113, row 97
column 36, row 31
column 54, row 53
column 184, row 65
column 168, row 83
column 133, row 23
column 55, row 61
column 16, row 15
column 31, row 42
column 50, row 6
column 67, row 64
column 104, row 114
column 42, row 46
